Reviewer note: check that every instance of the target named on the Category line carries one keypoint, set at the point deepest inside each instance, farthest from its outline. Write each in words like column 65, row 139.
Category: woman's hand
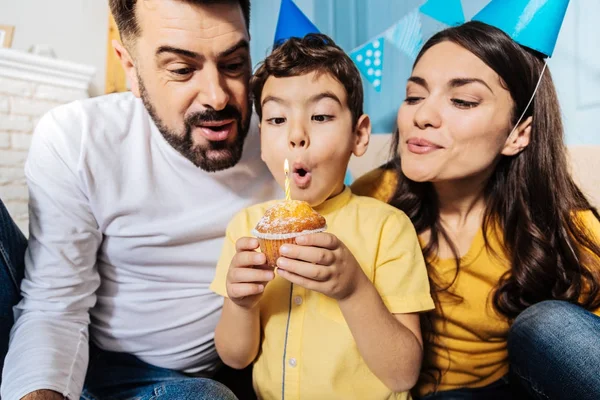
column 248, row 274
column 321, row 262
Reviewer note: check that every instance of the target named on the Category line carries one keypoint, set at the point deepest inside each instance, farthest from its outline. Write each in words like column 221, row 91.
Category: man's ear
column 128, row 66
column 518, row 139
column 362, row 135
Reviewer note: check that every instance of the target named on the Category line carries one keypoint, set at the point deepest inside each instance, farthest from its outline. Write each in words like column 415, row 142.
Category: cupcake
column 282, row 223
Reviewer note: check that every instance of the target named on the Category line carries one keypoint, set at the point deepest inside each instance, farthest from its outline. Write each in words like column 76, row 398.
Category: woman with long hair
column 512, row 244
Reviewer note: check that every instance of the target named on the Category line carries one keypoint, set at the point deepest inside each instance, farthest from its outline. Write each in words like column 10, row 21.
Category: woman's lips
column 421, row 146
column 216, row 131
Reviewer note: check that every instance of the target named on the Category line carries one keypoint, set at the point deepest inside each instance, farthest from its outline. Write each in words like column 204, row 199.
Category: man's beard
column 212, row 156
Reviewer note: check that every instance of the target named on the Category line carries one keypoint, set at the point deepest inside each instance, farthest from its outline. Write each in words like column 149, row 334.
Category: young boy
column 339, row 319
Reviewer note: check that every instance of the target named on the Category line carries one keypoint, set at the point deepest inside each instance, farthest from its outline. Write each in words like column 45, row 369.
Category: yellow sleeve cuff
column 219, row 288
column 409, row 304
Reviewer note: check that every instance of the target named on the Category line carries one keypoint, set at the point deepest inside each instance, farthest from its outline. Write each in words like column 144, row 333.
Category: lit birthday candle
column 286, row 169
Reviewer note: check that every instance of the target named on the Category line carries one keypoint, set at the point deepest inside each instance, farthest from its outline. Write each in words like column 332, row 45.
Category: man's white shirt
column 125, row 234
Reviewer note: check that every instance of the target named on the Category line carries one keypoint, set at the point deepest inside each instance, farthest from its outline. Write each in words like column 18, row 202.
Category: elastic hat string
column 530, row 100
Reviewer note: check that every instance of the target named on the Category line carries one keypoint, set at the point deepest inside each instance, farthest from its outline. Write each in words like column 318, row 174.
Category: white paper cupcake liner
column 283, row 236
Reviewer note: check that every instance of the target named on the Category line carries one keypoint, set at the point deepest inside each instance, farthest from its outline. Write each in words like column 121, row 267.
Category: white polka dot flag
column 369, row 60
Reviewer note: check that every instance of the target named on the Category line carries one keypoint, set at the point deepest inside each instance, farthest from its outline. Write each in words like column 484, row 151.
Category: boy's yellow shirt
column 470, row 348
column 307, row 349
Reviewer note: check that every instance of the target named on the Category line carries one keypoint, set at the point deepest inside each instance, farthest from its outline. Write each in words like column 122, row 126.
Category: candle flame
column 286, row 169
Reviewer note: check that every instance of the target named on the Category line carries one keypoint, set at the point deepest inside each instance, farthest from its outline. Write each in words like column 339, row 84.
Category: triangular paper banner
column 449, row 12
column 406, row 34
column 430, row 27
column 369, row 60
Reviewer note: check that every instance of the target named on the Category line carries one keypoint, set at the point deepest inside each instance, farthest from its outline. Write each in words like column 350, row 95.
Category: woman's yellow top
column 469, row 347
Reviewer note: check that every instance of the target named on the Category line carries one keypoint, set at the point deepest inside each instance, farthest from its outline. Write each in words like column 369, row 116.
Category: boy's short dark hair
column 300, row 56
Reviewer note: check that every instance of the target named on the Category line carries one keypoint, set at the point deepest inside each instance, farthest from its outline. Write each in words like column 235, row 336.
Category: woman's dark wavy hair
column 531, row 197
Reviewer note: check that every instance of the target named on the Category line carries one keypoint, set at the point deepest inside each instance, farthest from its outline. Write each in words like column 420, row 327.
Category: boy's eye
column 464, row 104
column 276, row 120
column 322, row 118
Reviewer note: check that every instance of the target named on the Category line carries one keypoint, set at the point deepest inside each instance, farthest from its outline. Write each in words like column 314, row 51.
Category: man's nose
column 213, row 92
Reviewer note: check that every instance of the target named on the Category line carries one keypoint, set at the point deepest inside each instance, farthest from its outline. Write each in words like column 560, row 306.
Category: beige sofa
column 585, row 162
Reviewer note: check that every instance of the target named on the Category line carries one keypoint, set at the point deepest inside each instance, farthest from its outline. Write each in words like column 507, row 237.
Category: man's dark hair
column 313, row 53
column 123, row 12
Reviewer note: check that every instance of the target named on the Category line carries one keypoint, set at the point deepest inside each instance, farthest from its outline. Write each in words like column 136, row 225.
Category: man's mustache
column 209, row 115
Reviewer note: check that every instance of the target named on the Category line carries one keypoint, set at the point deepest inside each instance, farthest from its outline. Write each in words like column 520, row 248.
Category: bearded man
column 130, row 195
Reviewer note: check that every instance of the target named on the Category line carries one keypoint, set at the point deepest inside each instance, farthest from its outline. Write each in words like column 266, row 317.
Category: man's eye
column 182, row 71
column 234, row 67
column 322, row 118
column 276, row 120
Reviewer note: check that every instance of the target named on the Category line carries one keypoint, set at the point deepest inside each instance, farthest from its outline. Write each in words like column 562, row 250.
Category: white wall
column 575, row 67
column 75, row 29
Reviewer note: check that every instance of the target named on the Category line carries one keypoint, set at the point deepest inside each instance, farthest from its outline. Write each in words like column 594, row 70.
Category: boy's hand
column 248, row 274
column 321, row 262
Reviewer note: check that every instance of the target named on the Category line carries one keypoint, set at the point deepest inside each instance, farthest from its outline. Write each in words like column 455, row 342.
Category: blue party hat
column 449, row 12
column 292, row 23
column 531, row 23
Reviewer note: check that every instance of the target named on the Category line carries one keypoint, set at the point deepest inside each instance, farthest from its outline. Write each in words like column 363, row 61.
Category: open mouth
column 301, row 176
column 216, row 131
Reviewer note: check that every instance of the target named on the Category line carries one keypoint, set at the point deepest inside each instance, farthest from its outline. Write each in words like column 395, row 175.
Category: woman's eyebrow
column 419, row 81
column 457, row 82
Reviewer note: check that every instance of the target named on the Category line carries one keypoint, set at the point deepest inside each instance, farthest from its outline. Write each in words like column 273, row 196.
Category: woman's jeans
column 554, row 353
column 499, row 390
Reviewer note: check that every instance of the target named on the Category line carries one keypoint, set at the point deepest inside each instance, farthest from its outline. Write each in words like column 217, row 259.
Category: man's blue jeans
column 113, row 376
column 12, row 251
